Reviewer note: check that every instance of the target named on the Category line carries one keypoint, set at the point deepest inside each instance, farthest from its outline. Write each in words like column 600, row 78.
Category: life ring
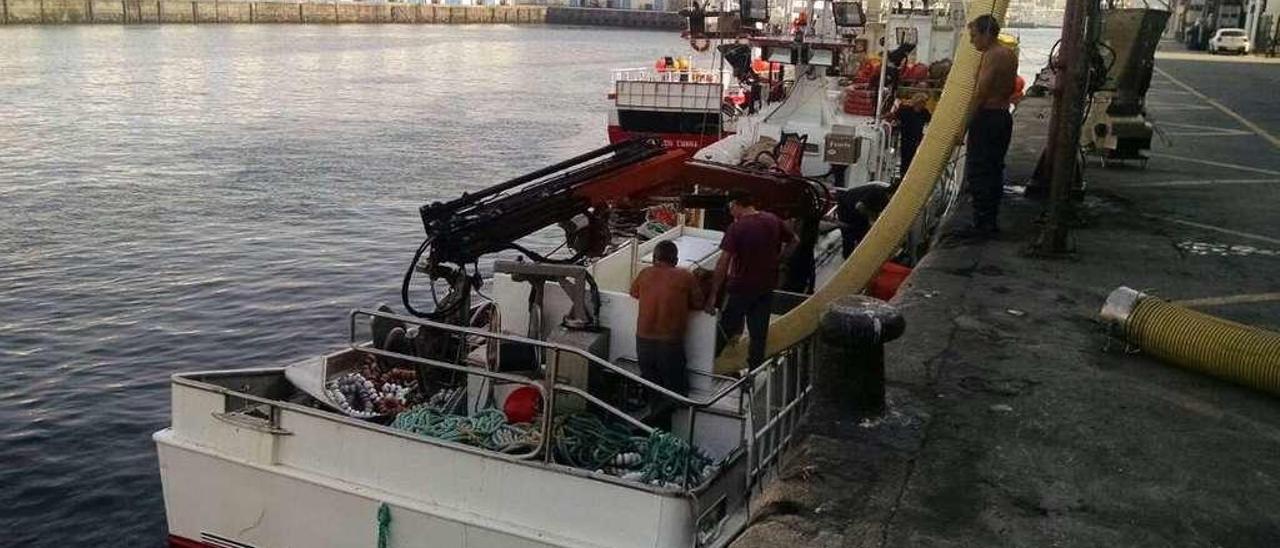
column 706, row 44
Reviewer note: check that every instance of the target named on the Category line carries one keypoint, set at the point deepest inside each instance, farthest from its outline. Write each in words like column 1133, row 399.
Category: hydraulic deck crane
column 579, row 195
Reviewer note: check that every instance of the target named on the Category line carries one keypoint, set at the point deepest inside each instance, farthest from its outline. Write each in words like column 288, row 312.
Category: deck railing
column 671, row 75
column 779, row 398
column 549, row 385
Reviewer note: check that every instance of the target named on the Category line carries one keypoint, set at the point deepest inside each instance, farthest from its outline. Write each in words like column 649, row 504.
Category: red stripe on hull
column 684, row 141
column 176, row 541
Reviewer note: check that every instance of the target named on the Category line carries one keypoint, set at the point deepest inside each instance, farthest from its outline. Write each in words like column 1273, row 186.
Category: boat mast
column 884, row 70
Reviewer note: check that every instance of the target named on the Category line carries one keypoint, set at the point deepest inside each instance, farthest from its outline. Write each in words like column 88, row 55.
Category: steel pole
column 1068, row 107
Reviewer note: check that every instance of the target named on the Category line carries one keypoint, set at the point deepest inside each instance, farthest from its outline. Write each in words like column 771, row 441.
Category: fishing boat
column 511, row 412
column 679, row 103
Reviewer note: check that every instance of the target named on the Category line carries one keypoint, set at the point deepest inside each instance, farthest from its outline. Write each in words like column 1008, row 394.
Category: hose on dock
column 887, row 233
column 1239, row 353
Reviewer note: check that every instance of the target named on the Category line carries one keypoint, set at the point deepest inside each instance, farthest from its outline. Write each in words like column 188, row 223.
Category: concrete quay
column 52, row 12
column 59, row 12
column 1013, row 419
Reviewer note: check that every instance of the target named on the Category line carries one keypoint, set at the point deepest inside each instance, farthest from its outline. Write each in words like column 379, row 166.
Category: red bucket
column 885, row 285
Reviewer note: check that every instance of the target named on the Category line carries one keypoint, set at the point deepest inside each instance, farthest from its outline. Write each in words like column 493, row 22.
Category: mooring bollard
column 850, row 368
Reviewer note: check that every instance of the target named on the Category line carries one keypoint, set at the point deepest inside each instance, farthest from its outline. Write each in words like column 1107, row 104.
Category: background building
column 1260, row 22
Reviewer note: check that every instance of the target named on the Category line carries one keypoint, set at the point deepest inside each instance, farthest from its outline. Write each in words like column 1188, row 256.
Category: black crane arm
column 466, row 228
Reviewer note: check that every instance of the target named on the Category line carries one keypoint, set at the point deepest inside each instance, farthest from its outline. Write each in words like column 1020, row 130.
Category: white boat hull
column 211, row 498
column 228, row 482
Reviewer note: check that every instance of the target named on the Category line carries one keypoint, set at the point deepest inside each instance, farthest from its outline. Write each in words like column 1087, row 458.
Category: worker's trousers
column 906, row 152
column 751, row 309
column 989, row 135
column 662, row 362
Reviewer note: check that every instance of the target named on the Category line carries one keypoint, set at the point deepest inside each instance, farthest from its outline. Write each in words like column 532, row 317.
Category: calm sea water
column 193, row 197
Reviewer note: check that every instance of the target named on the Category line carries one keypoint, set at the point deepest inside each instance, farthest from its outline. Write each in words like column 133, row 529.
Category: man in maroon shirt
column 750, row 252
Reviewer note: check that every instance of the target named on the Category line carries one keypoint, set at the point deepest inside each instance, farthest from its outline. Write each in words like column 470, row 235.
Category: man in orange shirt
column 667, row 294
column 990, row 125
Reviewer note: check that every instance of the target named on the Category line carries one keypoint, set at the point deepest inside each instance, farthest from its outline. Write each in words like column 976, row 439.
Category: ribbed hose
column 945, row 131
column 1228, row 350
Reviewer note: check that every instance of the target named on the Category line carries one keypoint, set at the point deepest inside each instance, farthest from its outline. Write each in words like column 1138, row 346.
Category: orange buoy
column 801, row 21
column 1019, row 84
column 522, row 405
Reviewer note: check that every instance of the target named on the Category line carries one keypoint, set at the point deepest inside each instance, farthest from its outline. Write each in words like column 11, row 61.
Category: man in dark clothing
column 800, row 272
column 991, row 126
column 667, row 295
column 856, row 209
column 749, row 257
column 912, row 116
column 897, row 59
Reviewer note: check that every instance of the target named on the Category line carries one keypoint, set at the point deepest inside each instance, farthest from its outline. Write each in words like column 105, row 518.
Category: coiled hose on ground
column 931, row 159
column 1228, row 350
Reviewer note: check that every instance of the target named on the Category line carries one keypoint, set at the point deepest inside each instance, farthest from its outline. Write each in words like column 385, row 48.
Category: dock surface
column 1014, row 420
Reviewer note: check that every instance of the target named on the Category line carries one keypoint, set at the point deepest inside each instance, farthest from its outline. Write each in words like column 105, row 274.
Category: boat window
column 848, row 14
column 778, row 55
column 821, row 57
column 907, row 35
column 650, row 121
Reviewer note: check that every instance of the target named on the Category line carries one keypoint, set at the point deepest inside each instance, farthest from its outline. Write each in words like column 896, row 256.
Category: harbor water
column 177, row 198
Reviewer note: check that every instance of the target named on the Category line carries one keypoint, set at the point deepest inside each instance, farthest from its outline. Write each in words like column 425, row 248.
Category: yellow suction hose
column 945, row 130
column 1235, row 352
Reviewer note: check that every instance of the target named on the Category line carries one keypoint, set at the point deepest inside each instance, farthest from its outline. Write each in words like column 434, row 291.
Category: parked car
column 1234, row 40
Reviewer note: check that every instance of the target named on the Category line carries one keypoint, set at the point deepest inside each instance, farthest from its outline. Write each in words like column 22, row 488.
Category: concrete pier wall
column 319, row 13
column 23, row 12
column 148, row 10
column 557, row 15
column 175, row 11
column 234, row 12
column 106, row 11
column 205, row 12
column 57, row 12
column 271, row 12
column 66, row 11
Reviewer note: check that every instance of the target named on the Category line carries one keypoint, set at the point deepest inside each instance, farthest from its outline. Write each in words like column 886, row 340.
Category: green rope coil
column 584, row 441
column 669, row 459
column 487, row 429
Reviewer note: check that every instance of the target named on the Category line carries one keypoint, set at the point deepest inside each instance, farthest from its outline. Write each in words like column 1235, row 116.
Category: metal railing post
column 787, row 394
column 748, row 396
column 692, row 413
column 768, row 437
column 548, row 421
